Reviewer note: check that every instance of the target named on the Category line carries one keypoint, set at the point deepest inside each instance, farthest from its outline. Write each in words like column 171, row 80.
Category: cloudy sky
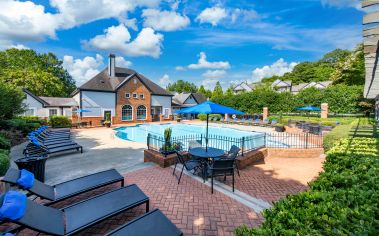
column 195, row 40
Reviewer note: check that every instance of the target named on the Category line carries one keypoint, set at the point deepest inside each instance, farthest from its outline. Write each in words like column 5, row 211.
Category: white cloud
column 204, row 64
column 212, row 15
column 117, row 39
column 85, row 11
column 25, row 21
column 238, row 15
column 165, row 80
column 342, row 3
column 280, row 67
column 121, row 62
column 82, row 69
column 211, row 83
column 214, row 74
column 180, row 68
column 164, row 20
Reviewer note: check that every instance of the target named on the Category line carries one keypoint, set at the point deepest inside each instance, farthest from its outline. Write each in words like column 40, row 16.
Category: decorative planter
column 108, row 125
column 178, row 120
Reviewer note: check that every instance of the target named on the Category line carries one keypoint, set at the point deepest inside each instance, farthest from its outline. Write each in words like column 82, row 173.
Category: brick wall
column 292, row 152
column 134, row 85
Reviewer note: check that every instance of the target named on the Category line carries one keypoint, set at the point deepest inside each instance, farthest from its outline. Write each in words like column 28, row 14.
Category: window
column 134, row 81
column 53, row 112
column 134, row 95
column 141, row 112
column 127, row 95
column 29, row 112
column 141, row 96
column 127, row 112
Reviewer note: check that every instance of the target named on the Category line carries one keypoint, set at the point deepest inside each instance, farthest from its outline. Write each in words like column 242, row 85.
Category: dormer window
column 134, row 95
column 127, row 95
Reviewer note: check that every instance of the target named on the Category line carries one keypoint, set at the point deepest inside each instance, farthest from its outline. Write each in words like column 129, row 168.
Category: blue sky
column 199, row 41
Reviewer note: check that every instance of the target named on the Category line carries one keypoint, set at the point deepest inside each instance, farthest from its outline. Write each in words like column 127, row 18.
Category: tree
column 202, row 90
column 10, row 102
column 182, row 86
column 217, row 91
column 229, row 91
column 28, row 69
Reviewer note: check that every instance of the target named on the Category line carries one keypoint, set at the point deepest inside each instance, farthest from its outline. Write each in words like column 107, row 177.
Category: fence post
column 265, row 140
column 306, row 140
column 148, row 141
column 243, row 144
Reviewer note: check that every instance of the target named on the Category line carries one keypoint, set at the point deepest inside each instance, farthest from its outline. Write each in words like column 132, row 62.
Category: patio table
column 204, row 155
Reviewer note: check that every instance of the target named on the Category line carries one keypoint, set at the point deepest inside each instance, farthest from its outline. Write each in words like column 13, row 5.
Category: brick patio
column 192, row 208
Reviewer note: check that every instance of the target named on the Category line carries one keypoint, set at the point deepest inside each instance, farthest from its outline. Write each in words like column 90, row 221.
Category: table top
column 210, row 153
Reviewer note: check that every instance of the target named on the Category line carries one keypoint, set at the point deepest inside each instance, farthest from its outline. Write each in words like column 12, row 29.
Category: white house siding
column 76, row 97
column 32, row 103
column 163, row 101
column 97, row 103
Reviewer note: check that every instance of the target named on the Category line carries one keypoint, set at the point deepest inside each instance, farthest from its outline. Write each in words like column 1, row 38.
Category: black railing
column 300, row 140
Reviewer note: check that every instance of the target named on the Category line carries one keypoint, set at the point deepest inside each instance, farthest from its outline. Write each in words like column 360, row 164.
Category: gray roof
column 179, row 99
column 103, row 82
column 59, row 102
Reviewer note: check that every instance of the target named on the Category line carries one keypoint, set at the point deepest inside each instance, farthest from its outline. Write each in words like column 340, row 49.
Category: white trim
column 132, row 112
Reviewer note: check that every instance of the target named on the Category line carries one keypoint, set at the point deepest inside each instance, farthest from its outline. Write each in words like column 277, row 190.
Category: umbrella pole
column 206, row 136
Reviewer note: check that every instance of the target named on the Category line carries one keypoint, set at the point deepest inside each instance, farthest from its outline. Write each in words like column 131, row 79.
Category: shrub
column 204, row 116
column 343, row 200
column 4, row 162
column 60, row 122
column 4, row 143
column 22, row 125
column 32, row 119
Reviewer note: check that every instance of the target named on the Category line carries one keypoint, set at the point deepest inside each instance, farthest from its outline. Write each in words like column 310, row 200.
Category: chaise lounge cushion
column 14, row 205
column 26, row 180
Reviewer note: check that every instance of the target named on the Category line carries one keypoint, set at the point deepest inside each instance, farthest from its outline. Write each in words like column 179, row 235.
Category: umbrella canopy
column 81, row 110
column 209, row 108
column 308, row 108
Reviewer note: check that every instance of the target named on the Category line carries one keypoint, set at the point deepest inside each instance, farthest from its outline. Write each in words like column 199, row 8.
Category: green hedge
column 204, row 116
column 4, row 161
column 343, row 200
column 60, row 122
column 4, row 143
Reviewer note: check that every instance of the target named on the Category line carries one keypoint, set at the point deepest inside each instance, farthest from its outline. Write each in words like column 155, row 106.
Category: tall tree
column 10, row 102
column 217, row 91
column 182, row 86
column 43, row 74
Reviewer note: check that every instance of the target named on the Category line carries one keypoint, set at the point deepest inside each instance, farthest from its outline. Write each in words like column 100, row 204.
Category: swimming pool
column 138, row 133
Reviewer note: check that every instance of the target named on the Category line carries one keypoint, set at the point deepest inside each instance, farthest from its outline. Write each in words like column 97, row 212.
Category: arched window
column 127, row 112
column 141, row 112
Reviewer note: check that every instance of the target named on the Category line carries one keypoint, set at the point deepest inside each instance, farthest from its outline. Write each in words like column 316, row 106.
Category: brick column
column 265, row 113
column 161, row 117
column 226, row 116
column 324, row 110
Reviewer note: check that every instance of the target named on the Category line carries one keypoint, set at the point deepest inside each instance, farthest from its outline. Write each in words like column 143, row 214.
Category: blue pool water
column 139, row 133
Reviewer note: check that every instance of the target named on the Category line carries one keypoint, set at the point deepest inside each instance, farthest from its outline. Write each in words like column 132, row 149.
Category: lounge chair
column 37, row 147
column 256, row 122
column 264, row 123
column 274, row 122
column 62, row 191
column 82, row 215
column 149, row 224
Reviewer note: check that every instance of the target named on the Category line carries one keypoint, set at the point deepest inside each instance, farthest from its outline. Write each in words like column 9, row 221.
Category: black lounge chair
column 82, row 215
column 69, row 188
column 149, row 224
column 46, row 150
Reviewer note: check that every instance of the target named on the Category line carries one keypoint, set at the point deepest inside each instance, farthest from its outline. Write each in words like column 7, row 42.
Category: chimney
column 112, row 65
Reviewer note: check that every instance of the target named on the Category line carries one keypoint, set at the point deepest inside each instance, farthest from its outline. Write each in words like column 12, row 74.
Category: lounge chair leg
column 233, row 180
column 147, row 206
column 181, row 174
column 212, row 184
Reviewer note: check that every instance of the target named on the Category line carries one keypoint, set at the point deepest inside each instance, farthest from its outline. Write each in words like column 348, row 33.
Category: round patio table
column 204, row 155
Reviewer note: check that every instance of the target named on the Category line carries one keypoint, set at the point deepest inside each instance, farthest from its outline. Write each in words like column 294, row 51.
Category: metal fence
column 246, row 144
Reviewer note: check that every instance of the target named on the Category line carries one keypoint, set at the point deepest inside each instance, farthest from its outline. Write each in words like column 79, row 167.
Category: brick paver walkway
column 194, row 210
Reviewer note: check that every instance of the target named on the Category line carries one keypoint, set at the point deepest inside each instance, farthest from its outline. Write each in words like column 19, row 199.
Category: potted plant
column 167, row 147
column 107, row 121
column 178, row 118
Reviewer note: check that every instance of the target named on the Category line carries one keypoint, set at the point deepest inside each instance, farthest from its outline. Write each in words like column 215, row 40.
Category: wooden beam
column 367, row 3
column 372, row 41
column 372, row 17
column 371, row 31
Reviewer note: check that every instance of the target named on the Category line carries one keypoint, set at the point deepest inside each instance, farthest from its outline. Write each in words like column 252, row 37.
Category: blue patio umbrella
column 207, row 108
column 308, row 108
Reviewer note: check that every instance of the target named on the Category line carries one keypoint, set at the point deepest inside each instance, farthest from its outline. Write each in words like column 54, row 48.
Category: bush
column 343, row 200
column 22, row 125
column 60, row 122
column 4, row 143
column 32, row 119
column 204, row 116
column 4, row 162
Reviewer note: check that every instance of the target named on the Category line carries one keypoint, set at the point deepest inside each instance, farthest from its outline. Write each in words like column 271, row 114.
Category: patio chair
column 74, row 218
column 190, row 165
column 222, row 120
column 67, row 189
column 194, row 144
column 221, row 167
column 149, row 224
column 232, row 154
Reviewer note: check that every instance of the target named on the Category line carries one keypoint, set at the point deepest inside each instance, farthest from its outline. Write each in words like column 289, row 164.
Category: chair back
column 194, row 144
column 233, row 152
column 222, row 166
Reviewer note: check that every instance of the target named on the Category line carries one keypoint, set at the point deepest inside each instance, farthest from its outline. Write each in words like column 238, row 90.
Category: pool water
column 139, row 133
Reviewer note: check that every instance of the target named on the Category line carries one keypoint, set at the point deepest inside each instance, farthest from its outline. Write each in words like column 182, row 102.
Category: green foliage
column 206, row 93
column 20, row 124
column 4, row 143
column 217, row 91
column 343, row 200
column 32, row 119
column 4, row 162
column 204, row 116
column 42, row 74
column 11, row 101
column 60, row 122
column 182, row 86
